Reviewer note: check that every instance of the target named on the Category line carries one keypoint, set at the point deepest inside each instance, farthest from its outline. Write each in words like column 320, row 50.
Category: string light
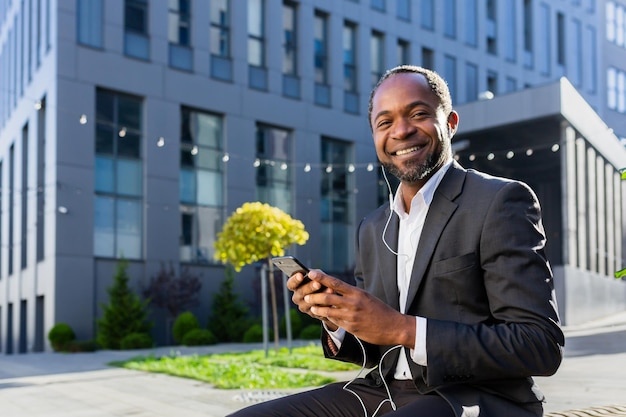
column 328, row 168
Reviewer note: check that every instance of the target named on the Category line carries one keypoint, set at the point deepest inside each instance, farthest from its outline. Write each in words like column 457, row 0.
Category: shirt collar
column 427, row 192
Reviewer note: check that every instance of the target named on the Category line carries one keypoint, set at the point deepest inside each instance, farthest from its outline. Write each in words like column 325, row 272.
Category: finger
column 295, row 281
column 327, row 281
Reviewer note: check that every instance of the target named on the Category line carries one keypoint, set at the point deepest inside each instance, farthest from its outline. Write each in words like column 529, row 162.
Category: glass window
column 471, row 82
column 320, row 27
column 256, row 40
column 575, row 70
column 427, row 14
column 180, row 22
column 273, row 168
column 510, row 28
column 136, row 41
column 201, row 184
column 428, row 58
column 510, row 85
column 179, row 34
column 404, row 52
column 118, row 176
column 104, row 229
column 377, row 56
column 89, row 22
column 220, row 28
column 449, row 22
column 591, row 76
column 350, row 82
column 544, row 27
column 528, row 25
column 492, row 82
column 616, row 20
column 471, row 22
column 128, row 228
column 560, row 39
column 289, row 39
column 403, row 9
column 450, row 74
column 336, row 205
column 611, row 29
column 378, row 5
column 492, row 30
column 621, row 91
column 349, row 57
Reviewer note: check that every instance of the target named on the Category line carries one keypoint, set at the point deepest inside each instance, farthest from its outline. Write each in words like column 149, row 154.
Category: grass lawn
column 253, row 369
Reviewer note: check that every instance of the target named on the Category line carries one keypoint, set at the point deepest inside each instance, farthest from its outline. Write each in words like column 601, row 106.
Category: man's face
column 411, row 132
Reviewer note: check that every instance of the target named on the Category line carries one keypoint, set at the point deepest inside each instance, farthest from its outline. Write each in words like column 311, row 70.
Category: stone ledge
column 605, row 411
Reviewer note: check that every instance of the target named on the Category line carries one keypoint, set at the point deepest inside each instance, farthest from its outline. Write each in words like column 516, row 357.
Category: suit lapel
column 441, row 209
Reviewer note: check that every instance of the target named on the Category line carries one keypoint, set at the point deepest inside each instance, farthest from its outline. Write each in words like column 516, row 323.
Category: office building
column 133, row 128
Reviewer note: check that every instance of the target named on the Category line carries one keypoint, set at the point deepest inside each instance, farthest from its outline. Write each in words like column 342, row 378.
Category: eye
column 383, row 123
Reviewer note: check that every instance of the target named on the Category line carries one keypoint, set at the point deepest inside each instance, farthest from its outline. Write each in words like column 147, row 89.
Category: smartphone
column 290, row 265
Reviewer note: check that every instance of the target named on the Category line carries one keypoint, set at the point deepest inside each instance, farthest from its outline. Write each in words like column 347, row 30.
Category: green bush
column 184, row 323
column 136, row 341
column 60, row 335
column 76, row 346
column 311, row 332
column 229, row 316
column 125, row 313
column 199, row 337
column 296, row 323
column 254, row 334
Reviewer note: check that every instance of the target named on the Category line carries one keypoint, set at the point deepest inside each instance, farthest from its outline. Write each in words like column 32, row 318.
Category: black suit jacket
column 482, row 280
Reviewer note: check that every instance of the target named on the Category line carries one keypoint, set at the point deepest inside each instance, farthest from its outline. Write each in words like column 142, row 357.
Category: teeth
column 406, row 151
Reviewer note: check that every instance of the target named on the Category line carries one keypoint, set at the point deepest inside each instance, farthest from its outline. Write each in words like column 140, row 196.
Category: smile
column 407, row 151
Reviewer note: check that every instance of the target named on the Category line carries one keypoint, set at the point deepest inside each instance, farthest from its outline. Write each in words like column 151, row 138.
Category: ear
column 453, row 122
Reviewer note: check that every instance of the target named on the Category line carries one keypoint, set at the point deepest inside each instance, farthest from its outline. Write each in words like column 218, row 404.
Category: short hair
column 437, row 84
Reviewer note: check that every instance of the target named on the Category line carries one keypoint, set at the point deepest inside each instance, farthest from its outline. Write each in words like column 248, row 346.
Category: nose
column 402, row 128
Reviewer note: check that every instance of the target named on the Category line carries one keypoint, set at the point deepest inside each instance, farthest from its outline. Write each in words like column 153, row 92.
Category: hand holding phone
column 290, row 265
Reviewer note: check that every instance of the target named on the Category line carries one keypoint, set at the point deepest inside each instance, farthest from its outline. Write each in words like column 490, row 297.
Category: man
column 454, row 302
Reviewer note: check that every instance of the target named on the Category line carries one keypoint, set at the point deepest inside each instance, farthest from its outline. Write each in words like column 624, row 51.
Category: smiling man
column 454, row 305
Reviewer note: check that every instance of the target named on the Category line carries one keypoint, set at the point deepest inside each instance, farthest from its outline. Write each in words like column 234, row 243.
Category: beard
column 414, row 171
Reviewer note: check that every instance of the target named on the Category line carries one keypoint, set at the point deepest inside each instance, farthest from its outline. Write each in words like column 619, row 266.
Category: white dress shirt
column 410, row 230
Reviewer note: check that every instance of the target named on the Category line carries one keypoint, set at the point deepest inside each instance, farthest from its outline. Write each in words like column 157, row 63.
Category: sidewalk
column 82, row 385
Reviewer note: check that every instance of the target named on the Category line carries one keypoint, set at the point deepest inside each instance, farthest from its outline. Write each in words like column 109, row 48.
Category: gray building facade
column 133, row 128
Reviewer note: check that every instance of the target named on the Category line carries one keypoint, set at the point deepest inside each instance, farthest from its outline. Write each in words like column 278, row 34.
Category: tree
column 171, row 293
column 228, row 320
column 256, row 232
column 125, row 313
